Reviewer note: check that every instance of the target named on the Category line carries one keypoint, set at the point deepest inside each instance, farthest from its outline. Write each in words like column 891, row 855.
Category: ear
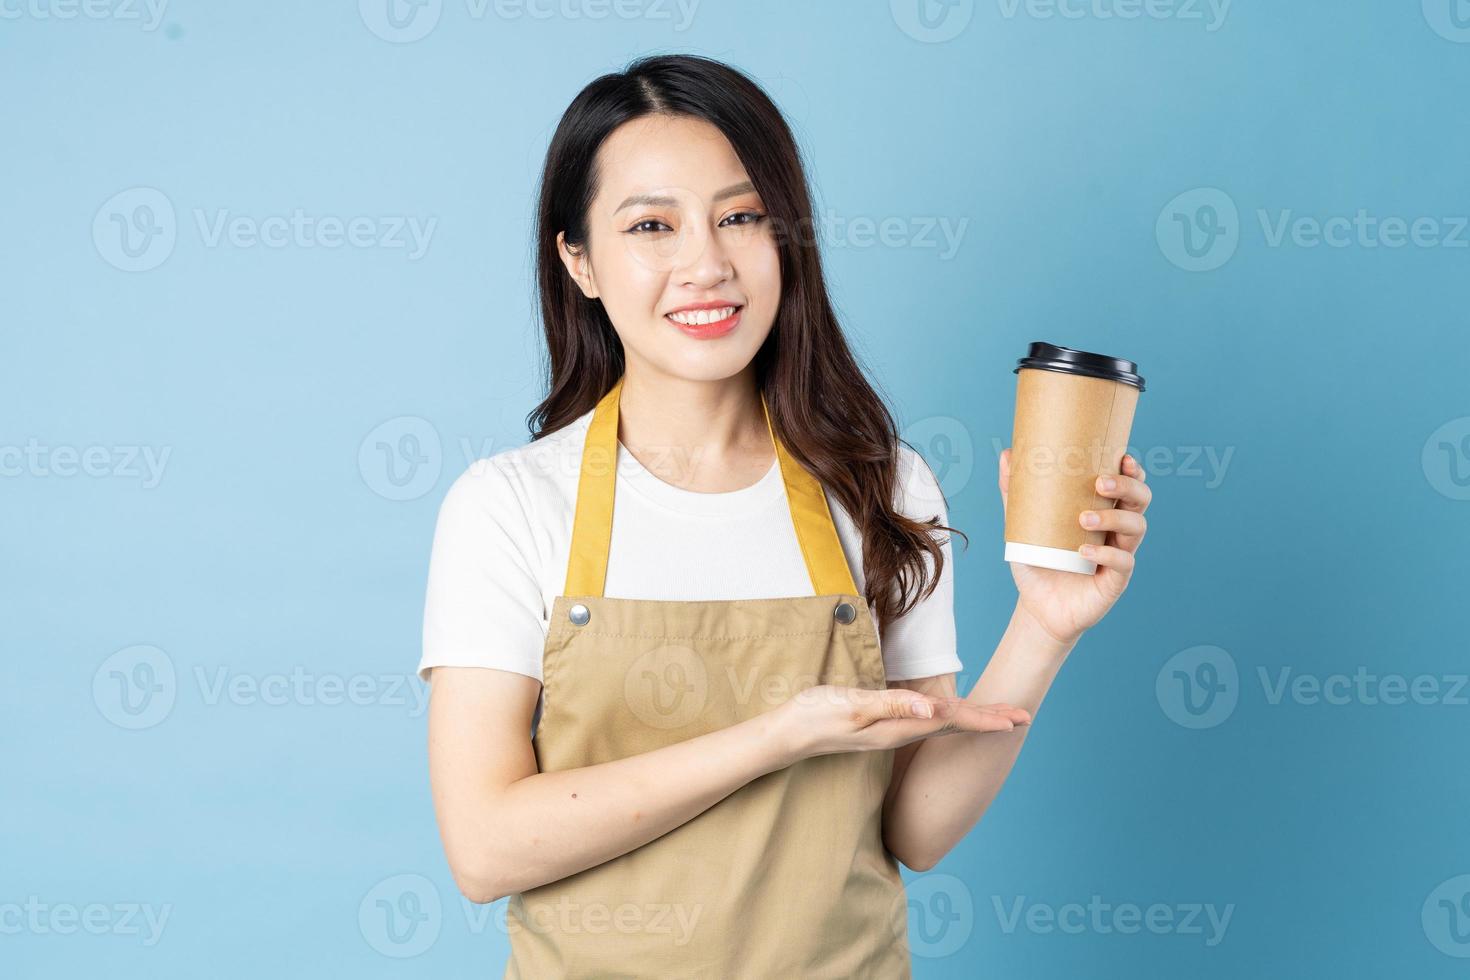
column 578, row 265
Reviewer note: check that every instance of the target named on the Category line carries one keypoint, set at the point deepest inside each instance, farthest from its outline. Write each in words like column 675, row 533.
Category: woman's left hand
column 1065, row 603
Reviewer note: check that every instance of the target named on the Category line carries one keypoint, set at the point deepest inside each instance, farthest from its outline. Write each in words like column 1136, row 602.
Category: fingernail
column 1090, row 518
column 1108, row 483
column 1088, row 551
column 923, row 709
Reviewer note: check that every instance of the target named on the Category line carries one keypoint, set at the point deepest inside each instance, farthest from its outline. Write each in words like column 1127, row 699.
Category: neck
column 700, row 435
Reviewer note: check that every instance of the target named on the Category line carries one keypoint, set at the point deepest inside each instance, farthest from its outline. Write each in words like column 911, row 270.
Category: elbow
column 912, row 858
column 480, row 881
column 481, row 889
column 487, row 872
column 919, row 862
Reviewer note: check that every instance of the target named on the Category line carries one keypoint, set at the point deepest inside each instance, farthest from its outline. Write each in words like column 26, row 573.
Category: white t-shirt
column 503, row 542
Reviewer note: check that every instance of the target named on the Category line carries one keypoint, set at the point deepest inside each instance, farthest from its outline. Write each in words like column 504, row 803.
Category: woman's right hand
column 828, row 718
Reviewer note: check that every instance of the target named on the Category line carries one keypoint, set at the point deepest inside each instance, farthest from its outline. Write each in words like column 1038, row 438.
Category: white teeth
column 697, row 318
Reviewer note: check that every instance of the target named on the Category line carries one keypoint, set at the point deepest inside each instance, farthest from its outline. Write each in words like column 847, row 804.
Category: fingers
column 1019, row 716
column 957, row 714
column 895, row 703
column 1128, row 488
column 999, row 706
column 1016, row 716
column 1112, row 519
column 1109, row 557
column 1124, row 523
column 968, row 718
column 1126, row 527
column 1115, row 565
column 1130, row 493
column 944, row 714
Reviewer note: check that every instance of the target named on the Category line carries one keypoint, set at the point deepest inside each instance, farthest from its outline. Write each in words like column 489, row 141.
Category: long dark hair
column 822, row 407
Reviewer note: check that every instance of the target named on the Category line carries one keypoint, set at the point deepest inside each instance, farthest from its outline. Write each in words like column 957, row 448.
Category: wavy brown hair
column 822, row 407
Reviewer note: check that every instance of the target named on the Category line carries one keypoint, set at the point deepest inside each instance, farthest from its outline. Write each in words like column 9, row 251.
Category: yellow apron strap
column 815, row 532
column 821, row 548
column 592, row 526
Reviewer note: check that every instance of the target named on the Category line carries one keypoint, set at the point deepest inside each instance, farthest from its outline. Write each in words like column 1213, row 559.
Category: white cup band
column 1059, row 558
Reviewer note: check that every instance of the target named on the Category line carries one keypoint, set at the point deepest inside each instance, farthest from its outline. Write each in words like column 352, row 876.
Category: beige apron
column 785, row 877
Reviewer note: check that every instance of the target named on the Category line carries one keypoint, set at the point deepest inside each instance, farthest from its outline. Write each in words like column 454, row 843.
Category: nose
column 707, row 262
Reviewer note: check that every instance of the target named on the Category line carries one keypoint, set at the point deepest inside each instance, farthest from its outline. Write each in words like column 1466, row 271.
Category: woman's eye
column 751, row 217
column 653, row 226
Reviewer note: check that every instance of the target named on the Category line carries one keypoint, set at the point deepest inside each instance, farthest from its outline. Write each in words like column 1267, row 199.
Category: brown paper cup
column 1070, row 428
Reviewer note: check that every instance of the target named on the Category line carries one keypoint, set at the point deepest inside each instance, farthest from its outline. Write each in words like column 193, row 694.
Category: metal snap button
column 580, row 614
column 844, row 612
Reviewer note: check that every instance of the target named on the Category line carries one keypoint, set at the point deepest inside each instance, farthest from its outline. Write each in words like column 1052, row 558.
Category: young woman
column 718, row 618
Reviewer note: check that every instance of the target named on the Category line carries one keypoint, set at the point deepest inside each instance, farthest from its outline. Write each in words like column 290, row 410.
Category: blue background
column 1333, row 540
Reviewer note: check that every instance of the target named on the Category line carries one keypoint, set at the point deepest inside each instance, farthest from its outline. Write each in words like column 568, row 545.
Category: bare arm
column 507, row 827
column 941, row 787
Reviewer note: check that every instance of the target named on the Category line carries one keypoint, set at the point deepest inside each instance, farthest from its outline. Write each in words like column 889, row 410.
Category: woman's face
column 675, row 224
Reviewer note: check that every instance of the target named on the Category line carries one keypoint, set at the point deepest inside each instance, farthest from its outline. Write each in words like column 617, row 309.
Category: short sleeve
column 922, row 643
column 483, row 605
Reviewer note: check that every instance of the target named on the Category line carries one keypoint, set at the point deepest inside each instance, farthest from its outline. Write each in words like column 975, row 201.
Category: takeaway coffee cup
column 1074, row 410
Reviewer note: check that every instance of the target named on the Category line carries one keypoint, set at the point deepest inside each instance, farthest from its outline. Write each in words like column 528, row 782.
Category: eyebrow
column 659, row 201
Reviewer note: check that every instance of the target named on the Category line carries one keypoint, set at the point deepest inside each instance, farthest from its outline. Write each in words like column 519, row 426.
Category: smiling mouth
column 703, row 318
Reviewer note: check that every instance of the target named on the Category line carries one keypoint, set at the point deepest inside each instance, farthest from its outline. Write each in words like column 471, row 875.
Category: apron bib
column 785, row 877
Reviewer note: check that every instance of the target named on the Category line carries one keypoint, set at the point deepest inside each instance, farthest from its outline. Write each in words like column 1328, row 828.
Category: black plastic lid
column 1049, row 357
